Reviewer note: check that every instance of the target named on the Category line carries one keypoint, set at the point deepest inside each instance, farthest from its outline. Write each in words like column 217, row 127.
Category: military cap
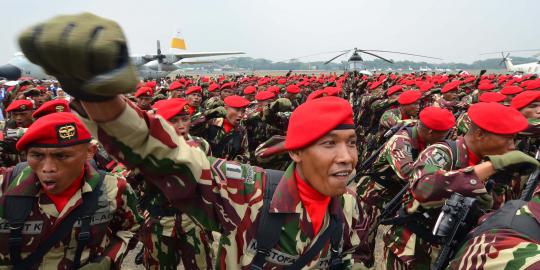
column 486, row 86
column 491, row 97
column 293, row 89
column 394, row 89
column 497, row 118
column 274, row 89
column 175, row 85
column 332, row 91
column 409, row 97
column 375, row 85
column 228, row 85
column 525, row 98
column 52, row 106
column 144, row 91
column 151, row 84
column 426, row 86
column 250, row 90
column 172, row 107
column 193, row 89
column 282, row 81
column 213, row 87
column 264, row 95
column 236, row 101
column 316, row 94
column 451, row 86
column 20, row 105
column 59, row 129
column 533, row 85
column 437, row 118
column 315, row 118
column 511, row 90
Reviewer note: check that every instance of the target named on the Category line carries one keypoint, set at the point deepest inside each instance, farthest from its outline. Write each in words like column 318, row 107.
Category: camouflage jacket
column 502, row 248
column 230, row 146
column 390, row 118
column 259, row 130
column 434, row 178
column 112, row 227
column 221, row 195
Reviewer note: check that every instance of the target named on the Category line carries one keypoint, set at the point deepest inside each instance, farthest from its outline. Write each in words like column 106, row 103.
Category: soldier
column 320, row 214
column 463, row 167
column 62, row 212
column 19, row 119
column 249, row 92
column 408, row 109
column 393, row 167
column 176, row 90
column 227, row 137
column 144, row 96
column 292, row 92
column 55, row 105
column 20, row 113
column 510, row 92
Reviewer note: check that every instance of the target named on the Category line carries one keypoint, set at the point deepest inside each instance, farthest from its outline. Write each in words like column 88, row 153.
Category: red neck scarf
column 473, row 159
column 421, row 143
column 227, row 126
column 192, row 110
column 60, row 200
column 404, row 116
column 316, row 203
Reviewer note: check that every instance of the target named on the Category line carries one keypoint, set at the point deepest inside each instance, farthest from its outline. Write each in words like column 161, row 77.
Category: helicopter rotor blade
column 389, row 61
column 411, row 54
column 537, row 50
column 336, row 57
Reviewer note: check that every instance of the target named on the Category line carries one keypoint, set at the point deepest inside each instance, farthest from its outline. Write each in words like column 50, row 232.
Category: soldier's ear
column 92, row 150
column 295, row 156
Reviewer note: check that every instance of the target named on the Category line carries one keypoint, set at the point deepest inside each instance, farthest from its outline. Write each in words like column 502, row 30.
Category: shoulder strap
column 84, row 232
column 414, row 152
column 65, row 228
column 506, row 218
column 17, row 211
column 270, row 225
column 453, row 148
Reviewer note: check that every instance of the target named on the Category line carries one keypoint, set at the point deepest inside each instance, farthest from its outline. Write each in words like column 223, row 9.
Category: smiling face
column 57, row 168
column 327, row 164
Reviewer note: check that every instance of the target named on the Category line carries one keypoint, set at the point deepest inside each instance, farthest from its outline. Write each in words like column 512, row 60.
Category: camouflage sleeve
column 463, row 123
column 398, row 153
column 434, row 179
column 389, row 119
column 244, row 155
column 125, row 223
column 500, row 248
column 205, row 188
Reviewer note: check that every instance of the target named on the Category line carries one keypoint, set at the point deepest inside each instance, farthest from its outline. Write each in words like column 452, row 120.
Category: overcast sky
column 456, row 30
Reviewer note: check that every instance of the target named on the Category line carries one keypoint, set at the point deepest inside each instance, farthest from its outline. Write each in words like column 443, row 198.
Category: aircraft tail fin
column 177, row 41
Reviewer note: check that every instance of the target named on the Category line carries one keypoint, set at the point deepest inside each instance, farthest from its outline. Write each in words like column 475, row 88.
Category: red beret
column 264, row 95
column 193, row 89
column 486, row 87
column 175, row 85
column 55, row 130
column 315, row 118
column 491, row 97
column 437, row 118
column 274, row 89
column 293, row 89
column 409, row 97
column 332, row 91
column 213, row 87
column 533, row 85
column 151, row 84
column 394, row 89
column 451, row 86
column 511, row 90
column 144, row 91
column 426, row 86
column 52, row 106
column 228, row 85
column 525, row 98
column 442, row 79
column 282, row 81
column 205, row 79
column 173, row 107
column 316, row 94
column 236, row 101
column 20, row 105
column 250, row 90
column 375, row 84
column 469, row 79
column 160, row 103
column 497, row 118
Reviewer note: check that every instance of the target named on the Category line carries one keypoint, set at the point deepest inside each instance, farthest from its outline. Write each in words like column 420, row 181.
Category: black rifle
column 532, row 182
column 390, row 210
column 451, row 220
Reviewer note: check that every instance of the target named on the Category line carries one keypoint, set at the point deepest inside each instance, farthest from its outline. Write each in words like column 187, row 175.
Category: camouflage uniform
column 221, row 195
column 502, row 248
column 232, row 145
column 434, row 179
column 386, row 177
column 390, row 118
column 259, row 129
column 112, row 228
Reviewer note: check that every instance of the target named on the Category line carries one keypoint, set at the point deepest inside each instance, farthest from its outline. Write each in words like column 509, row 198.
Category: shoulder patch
column 233, row 171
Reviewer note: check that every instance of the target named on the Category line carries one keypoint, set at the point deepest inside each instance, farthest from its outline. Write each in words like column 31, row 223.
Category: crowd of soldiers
column 99, row 160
